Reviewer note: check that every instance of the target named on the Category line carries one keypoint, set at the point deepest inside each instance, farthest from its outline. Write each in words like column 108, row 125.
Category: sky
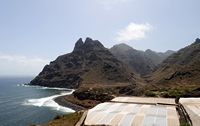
column 35, row 32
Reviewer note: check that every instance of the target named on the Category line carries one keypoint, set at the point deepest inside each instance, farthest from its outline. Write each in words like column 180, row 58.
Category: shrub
column 150, row 93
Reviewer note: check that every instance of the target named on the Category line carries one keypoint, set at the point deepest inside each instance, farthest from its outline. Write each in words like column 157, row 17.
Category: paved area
column 192, row 107
column 128, row 113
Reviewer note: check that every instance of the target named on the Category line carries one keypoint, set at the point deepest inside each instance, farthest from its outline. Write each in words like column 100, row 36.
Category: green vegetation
column 172, row 93
column 151, row 93
column 185, row 124
column 166, row 92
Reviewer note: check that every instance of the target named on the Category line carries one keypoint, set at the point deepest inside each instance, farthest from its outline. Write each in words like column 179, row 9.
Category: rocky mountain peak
column 197, row 41
column 149, row 51
column 78, row 44
column 89, row 63
column 169, row 52
column 123, row 46
column 88, row 40
column 93, row 43
column 89, row 44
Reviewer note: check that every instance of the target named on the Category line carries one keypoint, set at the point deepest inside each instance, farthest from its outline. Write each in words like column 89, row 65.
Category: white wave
column 49, row 102
column 42, row 87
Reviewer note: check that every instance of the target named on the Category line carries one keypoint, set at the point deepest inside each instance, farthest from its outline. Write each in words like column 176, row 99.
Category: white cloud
column 108, row 4
column 133, row 32
column 16, row 65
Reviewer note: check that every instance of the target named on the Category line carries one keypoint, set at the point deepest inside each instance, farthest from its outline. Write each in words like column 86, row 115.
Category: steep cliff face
column 89, row 63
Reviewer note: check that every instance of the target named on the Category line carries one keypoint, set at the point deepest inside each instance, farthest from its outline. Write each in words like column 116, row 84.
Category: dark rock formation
column 89, row 63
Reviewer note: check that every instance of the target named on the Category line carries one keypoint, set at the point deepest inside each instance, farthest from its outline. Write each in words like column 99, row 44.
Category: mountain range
column 142, row 62
column 182, row 68
column 90, row 65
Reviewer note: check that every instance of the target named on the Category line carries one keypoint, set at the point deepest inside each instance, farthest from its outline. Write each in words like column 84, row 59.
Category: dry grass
column 65, row 120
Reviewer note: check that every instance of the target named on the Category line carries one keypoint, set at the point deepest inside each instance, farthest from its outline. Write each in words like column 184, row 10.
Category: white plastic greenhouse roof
column 145, row 100
column 131, row 114
column 192, row 107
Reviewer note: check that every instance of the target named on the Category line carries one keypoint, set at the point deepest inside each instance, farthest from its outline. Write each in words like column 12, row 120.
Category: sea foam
column 42, row 87
column 49, row 101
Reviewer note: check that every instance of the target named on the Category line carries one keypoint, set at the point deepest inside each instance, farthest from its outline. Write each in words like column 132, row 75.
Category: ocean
column 22, row 105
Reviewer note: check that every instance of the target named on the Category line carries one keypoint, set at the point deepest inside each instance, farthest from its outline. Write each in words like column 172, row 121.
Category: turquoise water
column 21, row 105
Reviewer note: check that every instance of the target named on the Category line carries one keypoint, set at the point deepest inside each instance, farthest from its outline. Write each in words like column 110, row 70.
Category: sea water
column 22, row 105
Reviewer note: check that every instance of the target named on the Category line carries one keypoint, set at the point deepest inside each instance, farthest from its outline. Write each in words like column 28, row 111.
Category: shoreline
column 61, row 101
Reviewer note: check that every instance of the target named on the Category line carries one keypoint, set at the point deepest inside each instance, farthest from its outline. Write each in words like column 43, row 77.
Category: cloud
column 16, row 65
column 133, row 32
column 108, row 4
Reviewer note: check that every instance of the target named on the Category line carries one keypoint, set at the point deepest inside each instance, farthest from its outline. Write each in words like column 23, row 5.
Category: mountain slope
column 181, row 68
column 139, row 61
column 89, row 63
column 158, row 57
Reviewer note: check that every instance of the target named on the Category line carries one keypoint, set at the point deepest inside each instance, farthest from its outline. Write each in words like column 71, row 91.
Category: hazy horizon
column 33, row 33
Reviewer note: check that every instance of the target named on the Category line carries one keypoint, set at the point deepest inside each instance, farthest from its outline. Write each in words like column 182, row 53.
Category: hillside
column 90, row 63
column 99, row 74
column 141, row 62
column 158, row 57
column 182, row 69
